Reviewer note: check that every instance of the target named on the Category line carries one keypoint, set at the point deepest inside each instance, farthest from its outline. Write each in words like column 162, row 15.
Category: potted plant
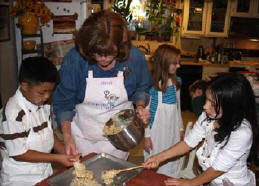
column 160, row 14
column 123, row 7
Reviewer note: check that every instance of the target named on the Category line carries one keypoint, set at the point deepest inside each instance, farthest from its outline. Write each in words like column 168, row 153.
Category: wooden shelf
column 39, row 50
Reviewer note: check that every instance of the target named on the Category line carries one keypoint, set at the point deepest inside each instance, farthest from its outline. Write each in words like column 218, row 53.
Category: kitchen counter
column 144, row 178
column 229, row 64
column 250, row 65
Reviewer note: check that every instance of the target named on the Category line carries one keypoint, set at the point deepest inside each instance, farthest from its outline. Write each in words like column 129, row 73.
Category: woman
column 101, row 76
column 228, row 127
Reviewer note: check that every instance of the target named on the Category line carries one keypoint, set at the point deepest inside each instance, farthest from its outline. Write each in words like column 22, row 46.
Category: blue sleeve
column 140, row 76
column 71, row 89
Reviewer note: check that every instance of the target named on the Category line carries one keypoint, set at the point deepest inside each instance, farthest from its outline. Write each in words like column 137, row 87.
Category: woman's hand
column 143, row 114
column 148, row 145
column 152, row 162
column 70, row 146
column 181, row 182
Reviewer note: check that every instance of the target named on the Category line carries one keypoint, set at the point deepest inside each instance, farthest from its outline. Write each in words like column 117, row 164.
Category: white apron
column 103, row 98
column 165, row 132
column 15, row 173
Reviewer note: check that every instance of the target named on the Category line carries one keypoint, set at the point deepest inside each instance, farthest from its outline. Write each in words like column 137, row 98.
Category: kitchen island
column 144, row 178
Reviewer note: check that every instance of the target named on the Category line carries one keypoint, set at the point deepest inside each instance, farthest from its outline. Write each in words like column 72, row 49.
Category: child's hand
column 76, row 158
column 181, row 182
column 152, row 162
column 182, row 133
column 143, row 114
column 66, row 160
column 148, row 145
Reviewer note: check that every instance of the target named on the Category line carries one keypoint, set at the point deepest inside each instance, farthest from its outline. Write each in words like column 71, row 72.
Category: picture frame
column 4, row 23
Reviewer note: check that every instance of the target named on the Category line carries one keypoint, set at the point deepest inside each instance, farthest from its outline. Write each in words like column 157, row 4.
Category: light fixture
column 197, row 10
column 254, row 40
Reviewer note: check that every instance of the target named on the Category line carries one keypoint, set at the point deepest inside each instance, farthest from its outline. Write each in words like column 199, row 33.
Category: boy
column 26, row 130
column 197, row 92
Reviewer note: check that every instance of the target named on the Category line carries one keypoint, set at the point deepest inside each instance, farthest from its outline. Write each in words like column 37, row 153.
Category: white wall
column 76, row 6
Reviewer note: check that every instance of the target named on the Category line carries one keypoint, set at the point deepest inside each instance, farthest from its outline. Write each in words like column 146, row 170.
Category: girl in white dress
column 165, row 128
column 228, row 127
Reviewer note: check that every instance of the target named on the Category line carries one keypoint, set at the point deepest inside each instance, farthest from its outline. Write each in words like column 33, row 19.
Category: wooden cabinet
column 245, row 8
column 256, row 8
column 206, row 18
column 194, row 17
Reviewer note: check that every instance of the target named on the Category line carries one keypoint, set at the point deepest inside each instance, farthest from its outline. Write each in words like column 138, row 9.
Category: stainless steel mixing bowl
column 131, row 129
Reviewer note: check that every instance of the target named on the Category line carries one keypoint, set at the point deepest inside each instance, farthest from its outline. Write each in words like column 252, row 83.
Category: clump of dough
column 108, row 176
column 83, row 177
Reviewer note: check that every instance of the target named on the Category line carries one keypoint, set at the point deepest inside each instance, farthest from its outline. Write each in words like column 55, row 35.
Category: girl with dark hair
column 101, row 76
column 165, row 127
column 228, row 126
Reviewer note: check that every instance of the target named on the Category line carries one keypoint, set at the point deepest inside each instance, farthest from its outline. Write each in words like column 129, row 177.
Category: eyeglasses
column 112, row 57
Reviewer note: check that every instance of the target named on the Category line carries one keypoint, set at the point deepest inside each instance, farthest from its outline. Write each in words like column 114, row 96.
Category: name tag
column 106, row 83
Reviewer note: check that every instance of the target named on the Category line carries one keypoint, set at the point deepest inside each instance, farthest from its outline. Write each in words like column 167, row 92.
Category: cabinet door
column 194, row 17
column 218, row 18
column 242, row 8
column 256, row 8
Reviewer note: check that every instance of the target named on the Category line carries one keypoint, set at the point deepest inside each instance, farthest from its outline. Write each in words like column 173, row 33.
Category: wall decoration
column 55, row 51
column 64, row 24
column 4, row 23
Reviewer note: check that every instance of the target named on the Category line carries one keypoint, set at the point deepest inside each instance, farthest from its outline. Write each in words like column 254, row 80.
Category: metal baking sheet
column 98, row 164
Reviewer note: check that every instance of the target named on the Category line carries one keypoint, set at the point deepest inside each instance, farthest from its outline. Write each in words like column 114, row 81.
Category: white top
column 25, row 127
column 231, row 159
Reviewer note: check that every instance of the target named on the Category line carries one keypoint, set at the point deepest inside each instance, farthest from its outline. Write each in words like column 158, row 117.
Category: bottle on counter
column 200, row 53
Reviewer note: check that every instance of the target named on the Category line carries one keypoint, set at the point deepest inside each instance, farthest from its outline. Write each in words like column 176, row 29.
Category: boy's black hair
column 201, row 84
column 36, row 70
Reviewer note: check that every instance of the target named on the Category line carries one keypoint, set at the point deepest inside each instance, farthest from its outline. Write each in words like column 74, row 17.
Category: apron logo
column 111, row 98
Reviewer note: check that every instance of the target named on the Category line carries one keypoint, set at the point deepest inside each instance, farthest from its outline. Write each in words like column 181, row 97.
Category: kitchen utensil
column 131, row 130
column 109, row 175
column 130, row 168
